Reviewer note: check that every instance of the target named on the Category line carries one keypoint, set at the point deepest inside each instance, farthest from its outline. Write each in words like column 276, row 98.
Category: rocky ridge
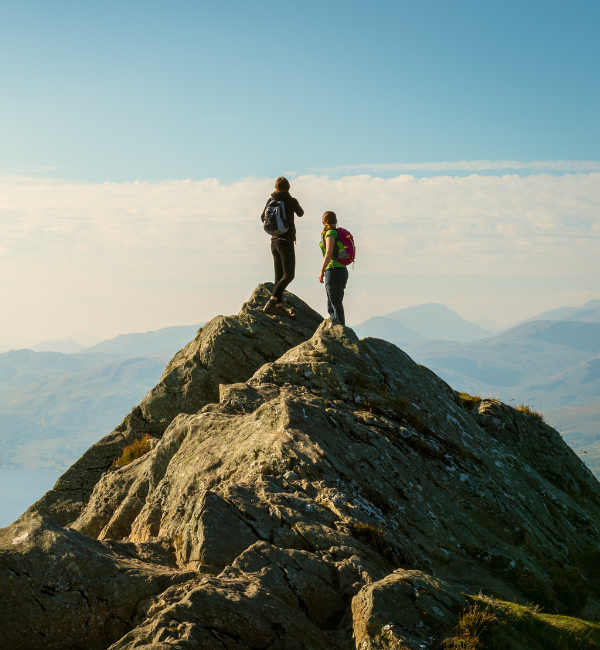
column 307, row 489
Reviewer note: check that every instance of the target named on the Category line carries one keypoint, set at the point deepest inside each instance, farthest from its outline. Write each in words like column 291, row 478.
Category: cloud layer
column 110, row 258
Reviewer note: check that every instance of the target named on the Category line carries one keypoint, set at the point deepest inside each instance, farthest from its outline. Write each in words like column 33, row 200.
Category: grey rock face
column 226, row 350
column 337, row 496
column 61, row 589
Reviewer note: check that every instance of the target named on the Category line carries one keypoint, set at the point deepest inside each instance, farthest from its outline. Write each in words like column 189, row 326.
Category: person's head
column 282, row 184
column 329, row 220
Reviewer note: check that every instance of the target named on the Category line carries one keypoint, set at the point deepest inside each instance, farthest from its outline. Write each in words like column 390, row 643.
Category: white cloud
column 472, row 165
column 116, row 257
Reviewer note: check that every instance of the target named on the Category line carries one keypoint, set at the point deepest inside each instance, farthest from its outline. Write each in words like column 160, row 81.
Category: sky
column 139, row 141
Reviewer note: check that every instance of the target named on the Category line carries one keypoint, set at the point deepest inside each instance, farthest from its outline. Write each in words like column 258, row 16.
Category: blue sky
column 118, row 91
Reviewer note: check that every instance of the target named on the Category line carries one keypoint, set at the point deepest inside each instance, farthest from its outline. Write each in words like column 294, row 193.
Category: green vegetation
column 134, row 451
column 470, row 402
column 524, row 408
column 490, row 624
column 564, row 592
column 478, row 629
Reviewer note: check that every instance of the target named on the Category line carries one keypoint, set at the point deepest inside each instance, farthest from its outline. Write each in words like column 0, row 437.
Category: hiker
column 337, row 246
column 278, row 220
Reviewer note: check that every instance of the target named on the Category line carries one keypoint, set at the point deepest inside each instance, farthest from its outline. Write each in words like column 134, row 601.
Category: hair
column 330, row 221
column 282, row 184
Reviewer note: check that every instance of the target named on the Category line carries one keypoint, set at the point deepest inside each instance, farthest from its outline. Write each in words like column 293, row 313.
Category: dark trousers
column 335, row 283
column 284, row 260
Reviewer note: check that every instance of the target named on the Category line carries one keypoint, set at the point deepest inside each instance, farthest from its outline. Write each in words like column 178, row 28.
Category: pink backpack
column 346, row 256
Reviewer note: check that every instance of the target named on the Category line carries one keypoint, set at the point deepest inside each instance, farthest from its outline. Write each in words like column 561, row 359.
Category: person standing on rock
column 336, row 244
column 282, row 245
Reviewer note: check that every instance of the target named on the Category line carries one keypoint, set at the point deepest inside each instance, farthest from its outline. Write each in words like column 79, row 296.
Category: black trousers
column 284, row 261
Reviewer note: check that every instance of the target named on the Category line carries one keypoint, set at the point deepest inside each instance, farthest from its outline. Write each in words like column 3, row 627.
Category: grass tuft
column 477, row 629
column 524, row 408
column 134, row 451
column 470, row 402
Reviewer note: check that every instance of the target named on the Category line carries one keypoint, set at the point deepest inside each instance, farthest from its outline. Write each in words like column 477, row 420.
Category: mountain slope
column 21, row 367
column 580, row 427
column 521, row 356
column 164, row 342
column 50, row 424
column 304, row 489
column 53, row 405
column 68, row 346
column 573, row 387
column 588, row 313
column 489, row 324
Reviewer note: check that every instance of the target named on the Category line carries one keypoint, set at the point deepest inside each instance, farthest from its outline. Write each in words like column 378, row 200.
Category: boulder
column 407, row 609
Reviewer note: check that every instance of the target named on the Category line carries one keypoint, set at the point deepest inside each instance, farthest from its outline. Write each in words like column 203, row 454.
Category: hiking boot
column 272, row 308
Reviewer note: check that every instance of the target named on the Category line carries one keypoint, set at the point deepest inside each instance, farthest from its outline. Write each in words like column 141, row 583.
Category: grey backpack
column 274, row 218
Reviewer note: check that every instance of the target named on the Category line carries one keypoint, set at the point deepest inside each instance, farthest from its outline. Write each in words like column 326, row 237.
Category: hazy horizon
column 81, row 337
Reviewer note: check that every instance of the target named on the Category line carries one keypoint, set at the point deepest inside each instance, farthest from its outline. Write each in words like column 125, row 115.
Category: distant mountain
column 580, row 427
column 163, row 343
column 86, row 339
column 489, row 324
column 388, row 329
column 434, row 321
column 519, row 357
column 578, row 385
column 20, row 367
column 587, row 313
column 49, row 424
column 68, row 346
column 53, row 405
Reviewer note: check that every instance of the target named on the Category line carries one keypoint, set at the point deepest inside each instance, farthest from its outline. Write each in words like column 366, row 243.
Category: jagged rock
column 226, row 350
column 61, row 589
column 407, row 609
column 338, row 497
column 227, row 612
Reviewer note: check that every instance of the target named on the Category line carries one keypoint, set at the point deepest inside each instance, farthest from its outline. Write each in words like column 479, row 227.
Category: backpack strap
column 336, row 248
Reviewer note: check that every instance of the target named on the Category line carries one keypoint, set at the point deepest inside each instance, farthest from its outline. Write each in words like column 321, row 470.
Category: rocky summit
column 302, row 489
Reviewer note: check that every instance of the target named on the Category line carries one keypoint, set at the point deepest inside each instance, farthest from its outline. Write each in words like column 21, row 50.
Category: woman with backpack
column 278, row 220
column 337, row 246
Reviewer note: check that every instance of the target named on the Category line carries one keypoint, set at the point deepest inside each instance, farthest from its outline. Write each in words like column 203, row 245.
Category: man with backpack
column 278, row 220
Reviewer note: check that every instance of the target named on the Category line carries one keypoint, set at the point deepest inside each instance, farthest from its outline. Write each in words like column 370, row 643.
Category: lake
column 19, row 488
